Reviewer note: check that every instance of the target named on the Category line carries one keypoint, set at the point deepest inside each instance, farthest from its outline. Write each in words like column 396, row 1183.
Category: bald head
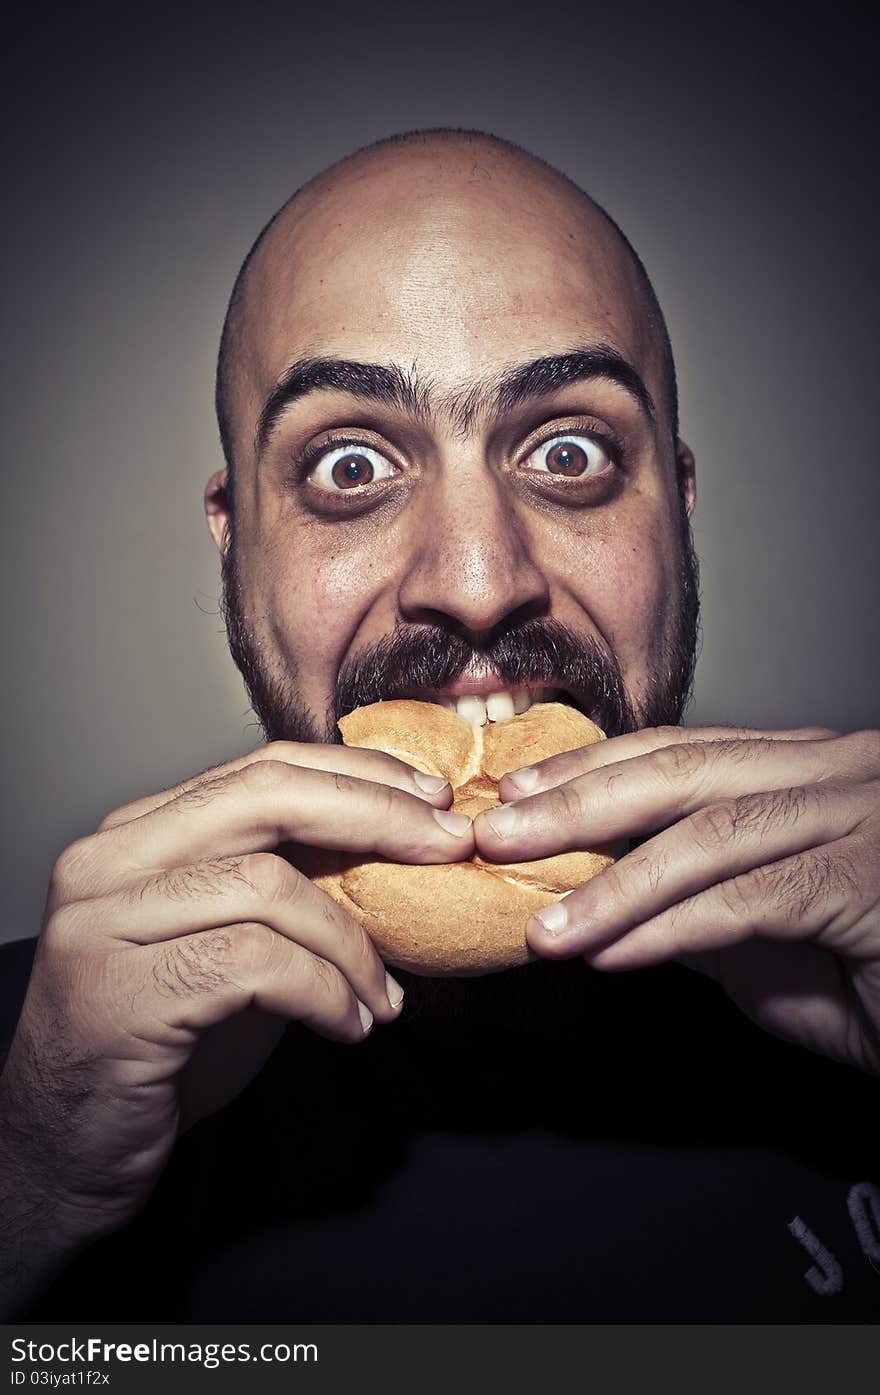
column 465, row 205
column 447, row 394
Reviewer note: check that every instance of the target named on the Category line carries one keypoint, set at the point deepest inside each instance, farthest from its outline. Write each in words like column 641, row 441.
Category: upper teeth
column 500, row 706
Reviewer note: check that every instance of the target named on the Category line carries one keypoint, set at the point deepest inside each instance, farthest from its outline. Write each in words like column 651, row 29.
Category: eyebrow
column 403, row 389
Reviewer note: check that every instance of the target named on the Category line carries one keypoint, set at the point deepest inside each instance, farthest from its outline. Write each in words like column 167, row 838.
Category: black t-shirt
column 657, row 1158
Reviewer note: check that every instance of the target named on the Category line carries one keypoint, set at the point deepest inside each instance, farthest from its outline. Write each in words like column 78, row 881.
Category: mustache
column 538, row 651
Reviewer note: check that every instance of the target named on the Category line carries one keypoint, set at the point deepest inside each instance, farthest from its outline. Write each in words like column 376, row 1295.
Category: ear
column 686, row 473
column 217, row 508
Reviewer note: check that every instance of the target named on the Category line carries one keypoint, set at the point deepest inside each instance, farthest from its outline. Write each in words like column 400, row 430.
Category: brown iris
column 351, row 470
column 565, row 458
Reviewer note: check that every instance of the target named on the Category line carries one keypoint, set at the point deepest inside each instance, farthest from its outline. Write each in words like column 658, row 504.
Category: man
column 448, row 408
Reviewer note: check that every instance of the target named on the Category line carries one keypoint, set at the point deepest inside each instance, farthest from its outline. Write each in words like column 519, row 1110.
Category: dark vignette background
column 141, row 156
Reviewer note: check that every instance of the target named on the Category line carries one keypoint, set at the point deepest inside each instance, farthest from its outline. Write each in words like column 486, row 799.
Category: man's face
column 488, row 506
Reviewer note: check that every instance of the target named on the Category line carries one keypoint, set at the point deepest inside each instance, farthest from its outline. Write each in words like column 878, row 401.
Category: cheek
column 315, row 598
column 620, row 569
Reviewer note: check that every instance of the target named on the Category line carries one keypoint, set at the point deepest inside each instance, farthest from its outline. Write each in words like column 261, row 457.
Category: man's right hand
column 175, row 917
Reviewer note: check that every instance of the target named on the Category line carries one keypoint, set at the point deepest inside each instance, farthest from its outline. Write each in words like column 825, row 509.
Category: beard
column 539, row 996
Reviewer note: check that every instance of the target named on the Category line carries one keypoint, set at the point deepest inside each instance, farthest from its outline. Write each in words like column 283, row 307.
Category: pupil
column 352, row 469
column 567, row 459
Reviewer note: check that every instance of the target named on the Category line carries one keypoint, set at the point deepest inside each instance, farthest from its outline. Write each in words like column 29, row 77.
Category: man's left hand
column 758, row 863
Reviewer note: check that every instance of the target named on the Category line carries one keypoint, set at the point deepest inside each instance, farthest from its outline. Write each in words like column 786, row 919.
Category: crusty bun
column 461, row 917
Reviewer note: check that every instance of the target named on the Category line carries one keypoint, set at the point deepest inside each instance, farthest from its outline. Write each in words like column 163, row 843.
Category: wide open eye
column 347, row 466
column 570, row 455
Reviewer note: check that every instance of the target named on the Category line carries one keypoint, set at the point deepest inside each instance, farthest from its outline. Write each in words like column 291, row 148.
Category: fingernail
column 365, row 1015
column 503, row 819
column 453, row 823
column 525, row 779
column 431, row 784
column 553, row 918
column 393, row 990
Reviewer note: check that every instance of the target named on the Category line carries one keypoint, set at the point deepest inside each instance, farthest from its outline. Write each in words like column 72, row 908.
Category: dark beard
column 537, row 994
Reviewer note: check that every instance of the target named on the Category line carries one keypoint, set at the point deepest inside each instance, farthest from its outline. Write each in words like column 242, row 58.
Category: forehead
column 457, row 267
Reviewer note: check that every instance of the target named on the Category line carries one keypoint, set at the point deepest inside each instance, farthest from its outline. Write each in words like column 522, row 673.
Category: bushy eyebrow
column 403, row 390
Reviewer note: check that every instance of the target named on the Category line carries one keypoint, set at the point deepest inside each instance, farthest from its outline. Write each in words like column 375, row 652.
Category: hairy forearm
column 36, row 1241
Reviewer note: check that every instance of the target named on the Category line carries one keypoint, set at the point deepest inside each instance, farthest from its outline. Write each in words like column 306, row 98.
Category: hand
column 761, row 868
column 175, row 917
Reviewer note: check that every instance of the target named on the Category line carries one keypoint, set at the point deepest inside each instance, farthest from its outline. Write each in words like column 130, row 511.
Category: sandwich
column 460, row 918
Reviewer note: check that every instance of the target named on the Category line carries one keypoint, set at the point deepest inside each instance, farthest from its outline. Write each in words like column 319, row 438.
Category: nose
column 470, row 565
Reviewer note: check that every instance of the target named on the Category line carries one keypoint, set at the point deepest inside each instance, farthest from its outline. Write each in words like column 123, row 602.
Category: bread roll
column 459, row 918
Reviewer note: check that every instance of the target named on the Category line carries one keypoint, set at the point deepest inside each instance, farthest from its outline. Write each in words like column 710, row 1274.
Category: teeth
column 473, row 709
column 499, row 707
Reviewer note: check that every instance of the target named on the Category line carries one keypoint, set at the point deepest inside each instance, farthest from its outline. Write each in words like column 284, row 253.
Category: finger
column 254, row 809
column 645, row 793
column 711, row 846
column 814, row 895
column 344, row 760
column 196, row 981
column 556, row 769
column 260, row 888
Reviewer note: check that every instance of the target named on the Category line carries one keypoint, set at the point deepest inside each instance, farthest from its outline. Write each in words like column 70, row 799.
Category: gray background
column 144, row 155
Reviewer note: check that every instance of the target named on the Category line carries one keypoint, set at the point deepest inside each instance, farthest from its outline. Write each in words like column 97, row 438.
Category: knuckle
column 738, row 897
column 715, row 826
column 71, row 868
column 266, row 777
column 784, row 885
column 615, row 883
column 354, row 948
column 64, row 927
column 804, row 882
column 386, row 800
column 795, row 886
column 750, row 812
column 198, row 794
column 566, row 802
column 363, row 949
column 291, row 754
column 818, row 733
column 193, row 965
column 859, row 749
column 336, row 1014
column 866, row 746
column 283, row 751
column 783, row 807
column 271, row 877
column 656, row 868
column 251, row 944
column 197, row 882
column 381, row 766
column 754, row 814
column 681, row 760
column 834, row 875
column 325, row 982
